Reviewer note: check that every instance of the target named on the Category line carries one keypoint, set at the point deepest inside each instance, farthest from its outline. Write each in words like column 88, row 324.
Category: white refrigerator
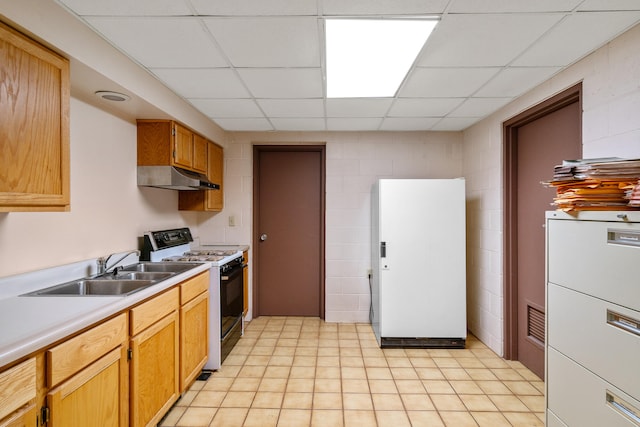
column 418, row 275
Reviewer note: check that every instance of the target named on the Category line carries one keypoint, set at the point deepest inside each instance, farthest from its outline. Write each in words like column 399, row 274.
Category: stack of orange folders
column 596, row 184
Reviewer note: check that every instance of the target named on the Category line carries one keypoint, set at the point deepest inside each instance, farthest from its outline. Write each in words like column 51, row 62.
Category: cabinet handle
column 625, row 323
column 623, row 407
column 623, row 237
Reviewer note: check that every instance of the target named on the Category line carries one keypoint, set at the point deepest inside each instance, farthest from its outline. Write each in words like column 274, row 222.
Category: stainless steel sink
column 124, row 281
column 157, row 267
column 95, row 287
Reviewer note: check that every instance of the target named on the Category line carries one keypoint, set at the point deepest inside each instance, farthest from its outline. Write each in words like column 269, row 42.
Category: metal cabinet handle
column 624, row 408
column 263, row 237
column 625, row 323
column 623, row 237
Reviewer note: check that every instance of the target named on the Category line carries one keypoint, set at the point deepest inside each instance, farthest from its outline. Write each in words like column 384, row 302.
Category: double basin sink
column 121, row 282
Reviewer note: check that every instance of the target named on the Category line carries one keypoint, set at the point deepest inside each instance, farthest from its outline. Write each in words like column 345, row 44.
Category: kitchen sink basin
column 95, row 287
column 160, row 267
column 121, row 282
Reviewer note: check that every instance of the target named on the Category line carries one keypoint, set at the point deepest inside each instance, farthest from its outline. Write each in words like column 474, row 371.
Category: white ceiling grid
column 258, row 65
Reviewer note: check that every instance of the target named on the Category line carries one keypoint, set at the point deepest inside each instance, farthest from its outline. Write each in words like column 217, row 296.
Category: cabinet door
column 25, row 417
column 34, row 126
column 200, row 153
column 215, row 198
column 18, row 393
column 154, row 371
column 182, row 146
column 194, row 333
column 94, row 396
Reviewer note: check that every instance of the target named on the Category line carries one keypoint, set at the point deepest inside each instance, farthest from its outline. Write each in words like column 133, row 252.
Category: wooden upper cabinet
column 165, row 142
column 34, row 125
column 207, row 200
column 200, row 145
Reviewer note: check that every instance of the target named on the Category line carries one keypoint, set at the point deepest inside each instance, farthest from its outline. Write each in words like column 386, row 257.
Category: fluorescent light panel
column 371, row 57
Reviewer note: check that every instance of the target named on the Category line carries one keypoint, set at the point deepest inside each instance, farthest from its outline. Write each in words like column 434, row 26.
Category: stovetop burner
column 189, row 257
column 208, row 252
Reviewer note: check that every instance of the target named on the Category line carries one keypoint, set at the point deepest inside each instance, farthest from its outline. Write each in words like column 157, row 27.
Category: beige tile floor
column 295, row 371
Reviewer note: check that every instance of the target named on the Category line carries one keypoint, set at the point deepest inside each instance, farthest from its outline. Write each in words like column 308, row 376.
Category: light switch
column 232, row 220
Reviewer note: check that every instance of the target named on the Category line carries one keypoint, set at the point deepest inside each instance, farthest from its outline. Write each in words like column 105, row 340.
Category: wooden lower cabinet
column 87, row 377
column 92, row 397
column 18, row 394
column 155, row 356
column 26, row 417
column 194, row 328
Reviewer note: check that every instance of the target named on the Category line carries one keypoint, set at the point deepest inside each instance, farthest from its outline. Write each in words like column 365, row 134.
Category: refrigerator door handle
column 383, row 249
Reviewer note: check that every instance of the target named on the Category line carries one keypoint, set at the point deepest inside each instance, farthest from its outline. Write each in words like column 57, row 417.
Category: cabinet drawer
column 581, row 258
column 17, row 386
column 553, row 421
column 146, row 314
column 193, row 287
column 601, row 336
column 76, row 353
column 580, row 398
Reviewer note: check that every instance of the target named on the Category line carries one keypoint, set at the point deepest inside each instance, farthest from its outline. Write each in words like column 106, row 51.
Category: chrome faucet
column 102, row 261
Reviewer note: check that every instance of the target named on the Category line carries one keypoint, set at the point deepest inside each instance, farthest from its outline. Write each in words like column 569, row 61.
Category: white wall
column 354, row 161
column 108, row 210
column 611, row 127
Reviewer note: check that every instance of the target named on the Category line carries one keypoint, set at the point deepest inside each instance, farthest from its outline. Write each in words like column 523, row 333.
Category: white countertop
column 31, row 323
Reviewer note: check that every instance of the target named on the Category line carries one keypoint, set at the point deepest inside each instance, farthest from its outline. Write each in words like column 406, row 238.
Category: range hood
column 173, row 178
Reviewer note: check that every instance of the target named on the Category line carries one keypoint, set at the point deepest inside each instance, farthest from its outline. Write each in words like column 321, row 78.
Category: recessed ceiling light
column 371, row 57
column 112, row 96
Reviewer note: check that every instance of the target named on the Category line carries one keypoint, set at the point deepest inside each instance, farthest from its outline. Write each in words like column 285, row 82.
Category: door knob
column 263, row 237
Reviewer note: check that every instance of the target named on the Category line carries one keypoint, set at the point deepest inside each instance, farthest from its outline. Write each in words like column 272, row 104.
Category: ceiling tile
column 423, row 107
column 408, row 123
column 353, row 124
column 510, row 6
column 298, row 124
column 383, row 7
column 225, row 108
column 575, row 37
column 255, row 7
column 455, row 123
column 202, row 82
column 283, row 82
column 268, row 41
column 445, row 82
column 479, row 107
column 292, row 107
column 604, row 5
column 358, row 107
column 514, row 81
column 129, row 8
column 161, row 42
column 245, row 124
column 496, row 40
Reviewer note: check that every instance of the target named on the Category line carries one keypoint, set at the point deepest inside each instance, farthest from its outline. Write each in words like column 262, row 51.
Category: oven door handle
column 235, row 272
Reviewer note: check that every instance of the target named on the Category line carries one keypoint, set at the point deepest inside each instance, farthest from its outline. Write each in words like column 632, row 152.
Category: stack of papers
column 597, row 184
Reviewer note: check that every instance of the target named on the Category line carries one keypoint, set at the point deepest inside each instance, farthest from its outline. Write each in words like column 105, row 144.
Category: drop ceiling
column 258, row 65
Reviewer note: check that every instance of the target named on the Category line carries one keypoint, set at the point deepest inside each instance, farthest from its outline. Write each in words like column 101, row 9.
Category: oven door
column 231, row 299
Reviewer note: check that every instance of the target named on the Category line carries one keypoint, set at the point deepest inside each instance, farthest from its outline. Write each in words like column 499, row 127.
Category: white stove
column 225, row 285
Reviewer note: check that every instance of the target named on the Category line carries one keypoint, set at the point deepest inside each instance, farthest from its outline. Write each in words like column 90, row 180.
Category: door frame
column 257, row 149
column 510, row 201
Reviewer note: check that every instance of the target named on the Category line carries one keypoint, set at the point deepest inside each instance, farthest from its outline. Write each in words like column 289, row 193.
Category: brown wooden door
column 289, row 194
column 538, row 144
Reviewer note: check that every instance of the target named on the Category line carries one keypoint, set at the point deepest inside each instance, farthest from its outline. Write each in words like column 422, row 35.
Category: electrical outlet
column 369, row 272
